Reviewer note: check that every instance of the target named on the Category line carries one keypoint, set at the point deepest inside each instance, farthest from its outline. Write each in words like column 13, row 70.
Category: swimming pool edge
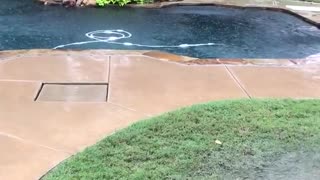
column 8, row 55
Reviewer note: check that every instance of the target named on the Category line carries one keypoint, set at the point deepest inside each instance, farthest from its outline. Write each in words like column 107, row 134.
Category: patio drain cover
column 73, row 92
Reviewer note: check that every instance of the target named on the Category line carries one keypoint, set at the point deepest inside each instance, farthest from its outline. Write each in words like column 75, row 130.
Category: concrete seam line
column 30, row 142
column 237, row 82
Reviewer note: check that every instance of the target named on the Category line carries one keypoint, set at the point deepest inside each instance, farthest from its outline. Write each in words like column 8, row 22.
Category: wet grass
column 254, row 135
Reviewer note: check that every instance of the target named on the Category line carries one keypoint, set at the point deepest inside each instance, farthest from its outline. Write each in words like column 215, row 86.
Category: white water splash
column 112, row 36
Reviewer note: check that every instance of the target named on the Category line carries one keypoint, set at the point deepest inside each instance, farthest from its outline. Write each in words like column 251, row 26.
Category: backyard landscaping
column 244, row 139
column 86, row 87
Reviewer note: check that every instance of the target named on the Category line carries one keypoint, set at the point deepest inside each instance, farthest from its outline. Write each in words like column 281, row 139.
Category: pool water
column 198, row 31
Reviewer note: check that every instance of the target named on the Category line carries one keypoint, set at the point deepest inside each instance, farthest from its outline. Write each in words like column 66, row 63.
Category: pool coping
column 166, row 56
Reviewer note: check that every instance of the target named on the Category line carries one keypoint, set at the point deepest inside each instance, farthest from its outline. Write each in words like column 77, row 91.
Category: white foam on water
column 112, row 36
column 304, row 8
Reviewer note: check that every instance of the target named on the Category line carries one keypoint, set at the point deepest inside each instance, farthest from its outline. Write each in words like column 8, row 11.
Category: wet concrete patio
column 55, row 103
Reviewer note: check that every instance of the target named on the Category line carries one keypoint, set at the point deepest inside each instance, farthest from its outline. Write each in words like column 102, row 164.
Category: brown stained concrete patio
column 55, row 103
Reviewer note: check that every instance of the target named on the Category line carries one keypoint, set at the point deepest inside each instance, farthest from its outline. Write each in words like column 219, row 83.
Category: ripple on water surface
column 203, row 31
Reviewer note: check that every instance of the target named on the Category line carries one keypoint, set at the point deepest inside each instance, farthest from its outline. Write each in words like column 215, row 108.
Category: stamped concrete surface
column 36, row 134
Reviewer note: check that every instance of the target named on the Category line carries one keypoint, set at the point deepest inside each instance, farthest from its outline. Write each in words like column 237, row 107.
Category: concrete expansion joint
column 32, row 143
column 238, row 82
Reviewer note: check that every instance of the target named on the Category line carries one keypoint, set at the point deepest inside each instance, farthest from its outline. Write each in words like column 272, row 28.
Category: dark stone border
column 277, row 9
column 230, row 61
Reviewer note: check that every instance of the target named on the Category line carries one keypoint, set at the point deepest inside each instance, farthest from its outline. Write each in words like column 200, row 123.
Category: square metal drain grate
column 73, row 92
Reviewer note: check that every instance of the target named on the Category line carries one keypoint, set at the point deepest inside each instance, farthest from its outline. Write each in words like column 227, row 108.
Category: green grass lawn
column 258, row 138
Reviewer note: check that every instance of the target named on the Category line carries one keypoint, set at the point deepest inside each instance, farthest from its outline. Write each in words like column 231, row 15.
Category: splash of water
column 112, row 37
